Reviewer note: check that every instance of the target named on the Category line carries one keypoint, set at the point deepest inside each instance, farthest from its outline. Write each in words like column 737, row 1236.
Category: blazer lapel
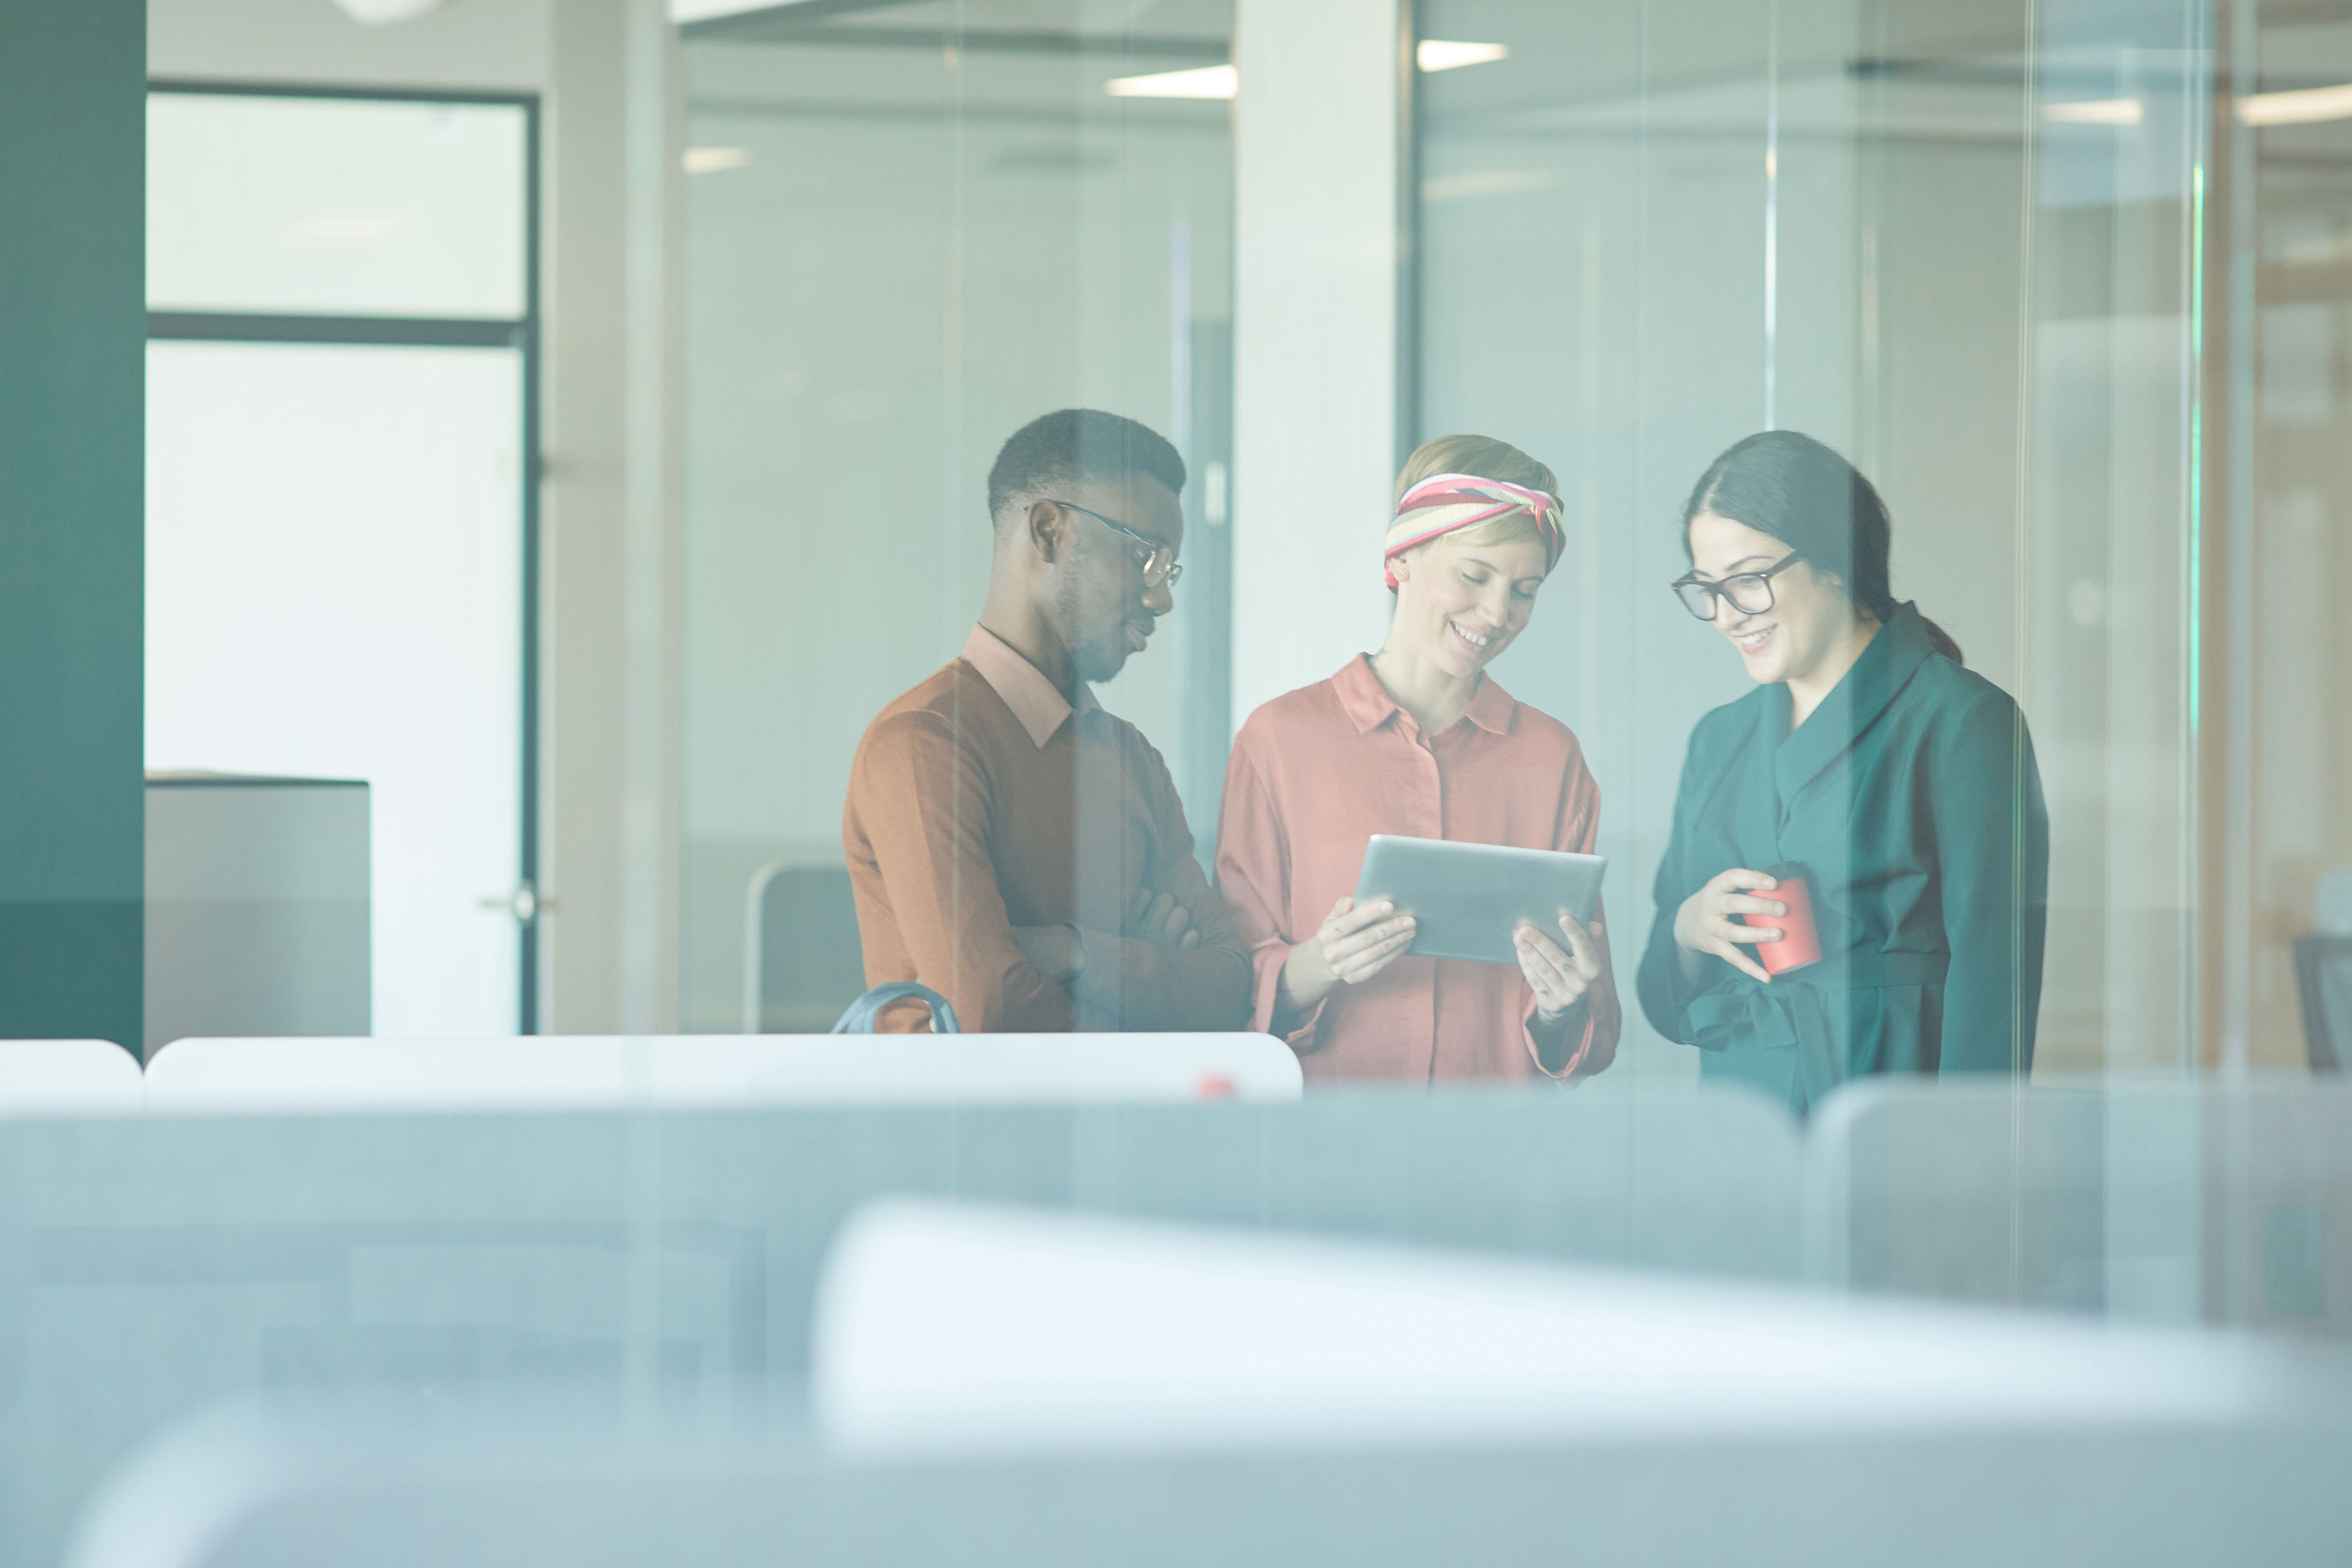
column 1756, row 822
column 1830, row 732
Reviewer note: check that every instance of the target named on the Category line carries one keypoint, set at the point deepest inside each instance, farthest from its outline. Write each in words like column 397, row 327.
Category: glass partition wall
column 911, row 230
column 2291, row 225
column 1993, row 253
column 2062, row 279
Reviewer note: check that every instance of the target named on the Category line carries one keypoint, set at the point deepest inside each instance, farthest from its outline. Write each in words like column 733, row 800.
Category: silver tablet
column 1467, row 899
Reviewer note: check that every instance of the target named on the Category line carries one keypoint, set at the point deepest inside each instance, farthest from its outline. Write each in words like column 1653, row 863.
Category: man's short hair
column 1072, row 444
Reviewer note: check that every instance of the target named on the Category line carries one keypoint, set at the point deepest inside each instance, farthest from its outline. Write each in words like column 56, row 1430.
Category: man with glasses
column 1013, row 846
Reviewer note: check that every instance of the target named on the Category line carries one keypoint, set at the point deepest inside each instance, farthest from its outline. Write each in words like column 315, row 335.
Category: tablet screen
column 1467, row 899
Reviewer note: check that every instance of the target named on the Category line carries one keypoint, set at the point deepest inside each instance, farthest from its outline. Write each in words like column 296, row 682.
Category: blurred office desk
column 1145, row 1396
column 551, row 1495
column 257, row 906
column 149, row 1267
column 555, row 1072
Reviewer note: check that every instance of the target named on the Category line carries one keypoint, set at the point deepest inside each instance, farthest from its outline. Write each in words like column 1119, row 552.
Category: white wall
column 1315, row 312
column 611, row 623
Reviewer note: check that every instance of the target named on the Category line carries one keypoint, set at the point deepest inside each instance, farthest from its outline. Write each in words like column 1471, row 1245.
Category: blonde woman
column 1418, row 740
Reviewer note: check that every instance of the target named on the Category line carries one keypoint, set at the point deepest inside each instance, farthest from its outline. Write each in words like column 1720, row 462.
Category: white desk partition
column 1081, row 1333
column 554, row 1072
column 46, row 1076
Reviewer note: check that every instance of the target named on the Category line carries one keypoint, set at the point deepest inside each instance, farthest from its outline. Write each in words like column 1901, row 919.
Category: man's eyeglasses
column 1750, row 592
column 1157, row 561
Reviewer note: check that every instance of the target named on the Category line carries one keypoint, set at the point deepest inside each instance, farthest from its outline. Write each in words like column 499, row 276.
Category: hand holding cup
column 1706, row 924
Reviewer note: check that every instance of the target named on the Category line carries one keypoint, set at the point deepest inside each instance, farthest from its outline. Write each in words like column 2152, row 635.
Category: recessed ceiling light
column 1446, row 54
column 1205, row 81
column 710, row 160
column 2095, row 112
column 2304, row 106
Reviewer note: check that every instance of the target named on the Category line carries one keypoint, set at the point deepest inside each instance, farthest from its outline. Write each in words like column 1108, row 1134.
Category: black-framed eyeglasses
column 1750, row 592
column 1159, row 560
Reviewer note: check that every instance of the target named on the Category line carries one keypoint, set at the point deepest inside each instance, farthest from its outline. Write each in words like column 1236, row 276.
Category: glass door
column 341, row 510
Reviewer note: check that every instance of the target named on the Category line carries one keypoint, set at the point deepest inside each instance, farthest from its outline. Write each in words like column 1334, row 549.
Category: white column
column 610, row 560
column 1315, row 335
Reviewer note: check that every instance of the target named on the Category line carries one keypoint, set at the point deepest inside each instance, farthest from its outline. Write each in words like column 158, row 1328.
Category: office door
column 339, row 511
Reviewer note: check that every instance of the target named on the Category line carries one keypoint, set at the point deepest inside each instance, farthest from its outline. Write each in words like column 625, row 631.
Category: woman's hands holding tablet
column 1704, row 923
column 1351, row 945
column 1559, row 980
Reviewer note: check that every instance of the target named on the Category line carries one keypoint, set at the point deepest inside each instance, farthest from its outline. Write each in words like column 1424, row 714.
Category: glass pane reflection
column 335, row 206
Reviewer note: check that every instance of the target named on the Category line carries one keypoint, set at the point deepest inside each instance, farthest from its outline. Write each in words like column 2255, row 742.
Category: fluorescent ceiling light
column 377, row 13
column 1207, row 81
column 710, row 160
column 1446, row 55
column 2302, row 106
column 684, row 11
column 2095, row 112
column 1485, row 183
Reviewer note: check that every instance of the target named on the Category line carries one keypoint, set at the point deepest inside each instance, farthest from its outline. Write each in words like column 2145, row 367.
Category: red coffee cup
column 1798, row 943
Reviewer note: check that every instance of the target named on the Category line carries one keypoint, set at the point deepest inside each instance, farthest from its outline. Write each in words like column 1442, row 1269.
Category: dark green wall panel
column 72, row 358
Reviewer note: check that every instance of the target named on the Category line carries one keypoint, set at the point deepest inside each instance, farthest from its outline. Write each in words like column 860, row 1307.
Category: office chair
column 2323, row 974
column 801, row 962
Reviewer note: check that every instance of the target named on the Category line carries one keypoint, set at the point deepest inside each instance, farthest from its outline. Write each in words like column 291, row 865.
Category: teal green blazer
column 1910, row 801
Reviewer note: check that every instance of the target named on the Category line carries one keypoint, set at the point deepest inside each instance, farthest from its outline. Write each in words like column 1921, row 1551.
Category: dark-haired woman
column 1870, row 762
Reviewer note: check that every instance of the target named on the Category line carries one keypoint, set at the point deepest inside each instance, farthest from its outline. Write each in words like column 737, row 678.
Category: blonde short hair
column 1488, row 458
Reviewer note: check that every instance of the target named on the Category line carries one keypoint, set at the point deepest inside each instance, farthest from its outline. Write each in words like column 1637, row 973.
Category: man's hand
column 1052, row 951
column 1059, row 952
column 1160, row 921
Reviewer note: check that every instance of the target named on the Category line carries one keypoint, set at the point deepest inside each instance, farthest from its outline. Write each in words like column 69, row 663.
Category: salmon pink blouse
column 1318, row 770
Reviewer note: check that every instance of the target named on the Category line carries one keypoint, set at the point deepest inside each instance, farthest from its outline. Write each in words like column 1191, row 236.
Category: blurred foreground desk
column 257, row 906
column 315, row 1496
column 1116, row 1393
column 150, row 1266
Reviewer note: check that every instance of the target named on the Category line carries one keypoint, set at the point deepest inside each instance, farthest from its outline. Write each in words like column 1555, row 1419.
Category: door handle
column 522, row 901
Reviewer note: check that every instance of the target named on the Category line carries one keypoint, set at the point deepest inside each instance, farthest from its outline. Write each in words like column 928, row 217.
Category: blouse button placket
column 1432, row 812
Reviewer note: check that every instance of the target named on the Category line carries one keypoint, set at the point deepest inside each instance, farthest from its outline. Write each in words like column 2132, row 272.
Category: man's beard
column 1092, row 659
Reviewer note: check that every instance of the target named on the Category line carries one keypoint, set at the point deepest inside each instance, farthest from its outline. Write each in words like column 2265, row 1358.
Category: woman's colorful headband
column 1443, row 502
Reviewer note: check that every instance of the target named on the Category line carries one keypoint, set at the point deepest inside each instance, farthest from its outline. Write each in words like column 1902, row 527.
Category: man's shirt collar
column 1032, row 698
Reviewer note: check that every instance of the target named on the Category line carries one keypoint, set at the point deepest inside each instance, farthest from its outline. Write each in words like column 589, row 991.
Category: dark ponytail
column 1819, row 505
